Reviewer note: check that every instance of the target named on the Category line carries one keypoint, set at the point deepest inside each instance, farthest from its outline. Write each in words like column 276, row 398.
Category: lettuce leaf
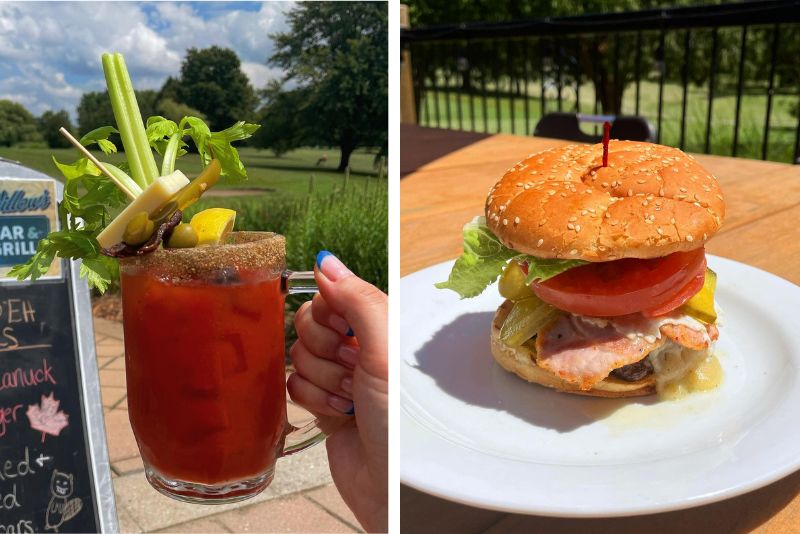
column 484, row 258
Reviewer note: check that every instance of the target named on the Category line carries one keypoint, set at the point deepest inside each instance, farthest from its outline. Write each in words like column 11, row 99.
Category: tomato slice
column 681, row 297
column 620, row 287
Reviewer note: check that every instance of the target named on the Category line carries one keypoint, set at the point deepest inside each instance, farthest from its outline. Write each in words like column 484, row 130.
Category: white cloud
column 260, row 74
column 50, row 51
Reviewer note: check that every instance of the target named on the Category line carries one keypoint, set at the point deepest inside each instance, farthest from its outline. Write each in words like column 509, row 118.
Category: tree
column 337, row 52
column 283, row 119
column 175, row 111
column 94, row 111
column 48, row 125
column 212, row 81
column 16, row 124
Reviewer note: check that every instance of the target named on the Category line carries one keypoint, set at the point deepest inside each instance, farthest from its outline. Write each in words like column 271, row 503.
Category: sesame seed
column 644, row 203
column 608, row 215
column 660, row 231
column 539, row 244
column 674, row 169
column 630, row 192
column 683, row 189
column 505, row 222
column 570, row 226
column 604, row 184
column 705, row 236
column 661, row 192
column 584, row 212
column 516, row 220
column 577, row 227
column 573, row 219
column 573, row 251
column 672, row 220
column 519, row 184
column 640, row 181
column 689, row 238
column 503, row 208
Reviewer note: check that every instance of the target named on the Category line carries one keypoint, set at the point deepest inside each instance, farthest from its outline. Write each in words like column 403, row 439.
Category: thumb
column 362, row 305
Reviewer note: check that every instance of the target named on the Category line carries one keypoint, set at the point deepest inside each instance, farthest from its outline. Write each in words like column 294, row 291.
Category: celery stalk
column 126, row 180
column 171, row 154
column 129, row 121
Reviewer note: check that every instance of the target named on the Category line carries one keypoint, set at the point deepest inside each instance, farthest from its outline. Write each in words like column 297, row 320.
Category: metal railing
column 721, row 79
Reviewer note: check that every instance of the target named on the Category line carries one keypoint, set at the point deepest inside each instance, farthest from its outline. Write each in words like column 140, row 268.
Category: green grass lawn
column 751, row 122
column 288, row 174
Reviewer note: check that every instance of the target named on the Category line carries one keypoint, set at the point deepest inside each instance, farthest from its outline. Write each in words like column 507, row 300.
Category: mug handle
column 299, row 439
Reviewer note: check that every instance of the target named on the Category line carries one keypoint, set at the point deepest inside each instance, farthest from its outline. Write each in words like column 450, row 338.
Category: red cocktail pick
column 606, row 135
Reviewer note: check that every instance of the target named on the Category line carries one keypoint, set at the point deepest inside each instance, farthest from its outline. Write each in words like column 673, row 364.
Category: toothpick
column 77, row 144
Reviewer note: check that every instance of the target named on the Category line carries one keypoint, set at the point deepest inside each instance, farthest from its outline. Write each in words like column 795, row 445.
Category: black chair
column 567, row 126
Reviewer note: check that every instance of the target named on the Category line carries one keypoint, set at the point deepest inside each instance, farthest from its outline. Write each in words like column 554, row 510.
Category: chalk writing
column 8, row 415
column 27, row 377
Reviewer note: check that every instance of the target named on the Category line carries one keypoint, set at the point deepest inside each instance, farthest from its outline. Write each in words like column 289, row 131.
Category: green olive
column 139, row 229
column 183, row 236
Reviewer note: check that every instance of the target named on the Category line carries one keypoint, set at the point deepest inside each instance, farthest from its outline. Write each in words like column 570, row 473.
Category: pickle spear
column 701, row 306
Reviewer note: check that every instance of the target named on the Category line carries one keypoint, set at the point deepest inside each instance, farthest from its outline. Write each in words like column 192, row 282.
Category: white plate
column 476, row 434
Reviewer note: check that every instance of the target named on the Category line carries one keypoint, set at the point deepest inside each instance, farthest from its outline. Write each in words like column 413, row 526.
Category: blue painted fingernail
column 350, row 332
column 321, row 255
column 352, row 411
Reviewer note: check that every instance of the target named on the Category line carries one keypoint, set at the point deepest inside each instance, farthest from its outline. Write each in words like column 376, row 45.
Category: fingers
column 361, row 304
column 317, row 400
column 318, row 338
column 324, row 374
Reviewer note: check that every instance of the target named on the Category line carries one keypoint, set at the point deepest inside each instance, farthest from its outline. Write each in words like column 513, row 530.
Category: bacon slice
column 585, row 354
column 688, row 337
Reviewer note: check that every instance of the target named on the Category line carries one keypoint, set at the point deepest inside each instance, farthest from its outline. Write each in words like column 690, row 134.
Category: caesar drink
column 202, row 305
column 204, row 354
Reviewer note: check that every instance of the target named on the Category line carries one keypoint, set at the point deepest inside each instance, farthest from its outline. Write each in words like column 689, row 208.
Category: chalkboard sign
column 54, row 473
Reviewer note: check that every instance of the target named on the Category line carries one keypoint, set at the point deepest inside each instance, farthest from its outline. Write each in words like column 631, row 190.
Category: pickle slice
column 701, row 306
column 512, row 283
column 526, row 318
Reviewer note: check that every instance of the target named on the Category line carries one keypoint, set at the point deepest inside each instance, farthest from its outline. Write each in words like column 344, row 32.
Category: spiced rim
column 244, row 250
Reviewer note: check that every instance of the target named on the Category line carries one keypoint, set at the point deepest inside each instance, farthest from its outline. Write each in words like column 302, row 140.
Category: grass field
column 288, row 174
column 751, row 122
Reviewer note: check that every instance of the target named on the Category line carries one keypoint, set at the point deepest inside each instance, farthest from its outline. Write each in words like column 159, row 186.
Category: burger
column 599, row 251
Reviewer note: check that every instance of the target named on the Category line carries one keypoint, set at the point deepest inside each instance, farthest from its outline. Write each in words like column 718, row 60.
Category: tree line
column 334, row 91
column 609, row 61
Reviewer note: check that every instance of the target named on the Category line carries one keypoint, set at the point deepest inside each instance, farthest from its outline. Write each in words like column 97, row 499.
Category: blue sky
column 50, row 51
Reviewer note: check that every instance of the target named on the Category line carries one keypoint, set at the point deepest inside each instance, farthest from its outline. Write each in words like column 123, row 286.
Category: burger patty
column 585, row 352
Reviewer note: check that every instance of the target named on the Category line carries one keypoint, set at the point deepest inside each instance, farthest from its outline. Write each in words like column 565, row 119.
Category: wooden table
column 760, row 229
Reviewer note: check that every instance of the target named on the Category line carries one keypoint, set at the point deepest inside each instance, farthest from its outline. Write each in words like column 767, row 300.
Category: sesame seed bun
column 521, row 361
column 651, row 201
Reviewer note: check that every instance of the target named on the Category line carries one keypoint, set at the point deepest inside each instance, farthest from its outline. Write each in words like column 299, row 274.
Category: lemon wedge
column 213, row 225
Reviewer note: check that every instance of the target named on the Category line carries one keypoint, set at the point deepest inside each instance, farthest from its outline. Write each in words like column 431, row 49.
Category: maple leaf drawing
column 47, row 418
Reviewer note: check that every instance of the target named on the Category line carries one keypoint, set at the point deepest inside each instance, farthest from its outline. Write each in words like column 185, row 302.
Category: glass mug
column 204, row 356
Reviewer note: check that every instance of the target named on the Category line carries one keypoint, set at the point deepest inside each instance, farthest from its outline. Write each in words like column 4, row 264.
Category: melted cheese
column 680, row 371
column 637, row 325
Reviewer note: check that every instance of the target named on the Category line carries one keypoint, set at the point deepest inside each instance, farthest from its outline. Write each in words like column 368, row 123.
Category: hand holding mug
column 341, row 362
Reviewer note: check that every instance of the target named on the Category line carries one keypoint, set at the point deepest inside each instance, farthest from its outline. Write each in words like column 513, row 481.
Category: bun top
column 650, row 201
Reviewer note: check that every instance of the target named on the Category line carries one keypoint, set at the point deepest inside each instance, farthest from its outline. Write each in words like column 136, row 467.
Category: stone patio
column 301, row 498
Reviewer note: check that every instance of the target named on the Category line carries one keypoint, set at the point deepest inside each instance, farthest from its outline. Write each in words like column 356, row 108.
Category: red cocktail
column 204, row 353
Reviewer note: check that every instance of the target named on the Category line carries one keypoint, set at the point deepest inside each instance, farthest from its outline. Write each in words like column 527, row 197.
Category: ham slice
column 584, row 351
column 584, row 354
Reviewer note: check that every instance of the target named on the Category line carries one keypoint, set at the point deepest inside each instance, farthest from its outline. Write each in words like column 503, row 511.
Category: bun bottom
column 521, row 361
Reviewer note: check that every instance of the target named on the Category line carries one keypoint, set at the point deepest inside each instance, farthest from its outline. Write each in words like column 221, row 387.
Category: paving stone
column 126, row 522
column 112, row 395
column 297, row 415
column 328, row 497
column 112, row 377
column 201, row 526
column 153, row 511
column 117, row 363
column 131, row 465
column 108, row 328
column 103, row 361
column 292, row 514
column 123, row 405
column 121, row 442
column 110, row 349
